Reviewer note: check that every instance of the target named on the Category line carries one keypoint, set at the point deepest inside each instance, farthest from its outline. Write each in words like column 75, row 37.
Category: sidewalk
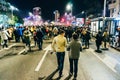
column 12, row 46
column 116, row 48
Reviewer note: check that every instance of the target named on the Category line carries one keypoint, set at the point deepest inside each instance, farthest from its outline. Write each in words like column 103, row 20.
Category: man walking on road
column 74, row 47
column 59, row 44
column 98, row 41
column 39, row 37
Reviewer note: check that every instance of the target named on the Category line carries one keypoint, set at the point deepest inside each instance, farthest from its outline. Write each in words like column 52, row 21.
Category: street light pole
column 71, row 2
column 56, row 13
column 12, row 14
column 12, row 9
column 69, row 7
column 104, row 13
column 85, row 16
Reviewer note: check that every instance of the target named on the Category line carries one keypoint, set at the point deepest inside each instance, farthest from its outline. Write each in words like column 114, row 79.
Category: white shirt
column 4, row 35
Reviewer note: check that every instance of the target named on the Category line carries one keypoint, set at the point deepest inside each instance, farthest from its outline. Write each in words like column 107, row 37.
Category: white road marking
column 24, row 50
column 41, row 61
column 108, row 61
column 48, row 47
column 11, row 45
column 21, row 52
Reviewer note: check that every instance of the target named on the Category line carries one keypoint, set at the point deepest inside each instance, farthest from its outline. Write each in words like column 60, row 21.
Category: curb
column 2, row 55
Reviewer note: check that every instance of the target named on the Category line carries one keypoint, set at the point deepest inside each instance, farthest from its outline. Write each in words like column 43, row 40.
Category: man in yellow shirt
column 59, row 44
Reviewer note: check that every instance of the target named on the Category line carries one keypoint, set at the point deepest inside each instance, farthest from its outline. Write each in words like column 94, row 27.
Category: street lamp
column 57, row 14
column 69, row 7
column 12, row 9
column 104, row 13
column 84, row 13
column 30, row 14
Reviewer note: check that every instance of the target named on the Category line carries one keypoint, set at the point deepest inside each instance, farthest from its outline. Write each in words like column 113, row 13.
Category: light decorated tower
column 34, row 18
column 37, row 11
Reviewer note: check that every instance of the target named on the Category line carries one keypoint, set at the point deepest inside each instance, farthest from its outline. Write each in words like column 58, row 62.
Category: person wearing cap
column 74, row 48
column 59, row 44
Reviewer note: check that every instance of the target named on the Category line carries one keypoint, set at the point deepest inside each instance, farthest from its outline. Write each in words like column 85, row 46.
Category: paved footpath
column 13, row 46
column 9, row 44
column 5, row 51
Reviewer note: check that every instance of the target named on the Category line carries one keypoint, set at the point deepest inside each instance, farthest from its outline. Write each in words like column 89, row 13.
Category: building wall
column 114, row 7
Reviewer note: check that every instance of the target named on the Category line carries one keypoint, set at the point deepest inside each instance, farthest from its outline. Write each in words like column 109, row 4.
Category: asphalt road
column 41, row 65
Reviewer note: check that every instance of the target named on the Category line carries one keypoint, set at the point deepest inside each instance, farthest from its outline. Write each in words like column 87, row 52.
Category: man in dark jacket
column 39, row 37
column 98, row 41
column 87, row 38
column 75, row 47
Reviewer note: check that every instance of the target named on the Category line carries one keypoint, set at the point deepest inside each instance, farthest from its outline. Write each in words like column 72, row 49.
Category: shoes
column 6, row 48
column 60, row 76
column 40, row 49
column 99, row 51
column 57, row 69
column 70, row 74
column 74, row 78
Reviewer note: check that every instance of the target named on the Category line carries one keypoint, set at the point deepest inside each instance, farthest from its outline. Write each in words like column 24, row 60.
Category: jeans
column 74, row 64
column 87, row 43
column 28, row 45
column 40, row 42
column 60, row 61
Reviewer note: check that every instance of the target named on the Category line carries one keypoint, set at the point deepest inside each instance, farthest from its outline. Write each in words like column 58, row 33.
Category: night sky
column 49, row 6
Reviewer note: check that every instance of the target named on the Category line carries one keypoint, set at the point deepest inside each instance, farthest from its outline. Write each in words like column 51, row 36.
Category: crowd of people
column 19, row 34
column 39, row 33
column 74, row 39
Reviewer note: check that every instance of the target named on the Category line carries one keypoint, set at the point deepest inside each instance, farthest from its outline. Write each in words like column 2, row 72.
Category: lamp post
column 69, row 7
column 104, row 14
column 30, row 14
column 56, row 13
column 85, row 16
column 12, row 9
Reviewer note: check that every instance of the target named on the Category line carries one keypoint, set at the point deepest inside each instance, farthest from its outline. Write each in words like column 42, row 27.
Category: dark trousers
column 39, row 43
column 105, row 43
column 16, row 38
column 60, row 61
column 20, row 36
column 5, row 44
column 98, row 47
column 87, row 43
column 28, row 45
column 35, row 42
column 74, row 66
